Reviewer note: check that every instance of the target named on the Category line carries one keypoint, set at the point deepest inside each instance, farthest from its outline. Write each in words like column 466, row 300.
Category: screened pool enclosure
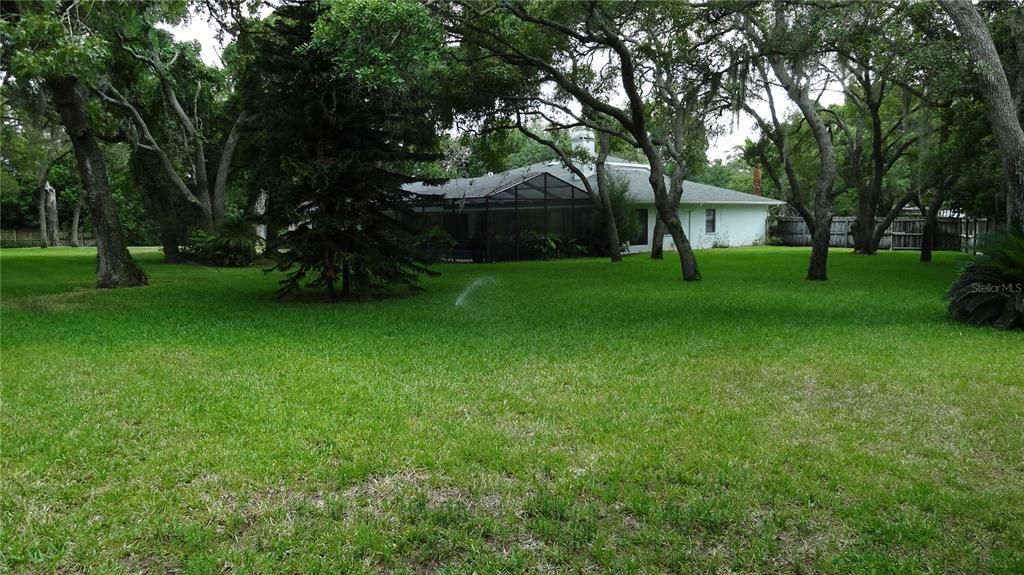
column 507, row 216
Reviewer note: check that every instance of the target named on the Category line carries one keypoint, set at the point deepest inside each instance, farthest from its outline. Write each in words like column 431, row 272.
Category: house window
column 709, row 221
column 641, row 237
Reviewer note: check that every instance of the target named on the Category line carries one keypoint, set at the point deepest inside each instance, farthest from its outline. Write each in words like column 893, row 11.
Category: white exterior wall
column 736, row 225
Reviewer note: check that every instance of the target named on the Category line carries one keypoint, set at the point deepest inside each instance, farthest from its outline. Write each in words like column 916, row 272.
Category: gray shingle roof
column 528, row 184
column 474, row 187
column 637, row 175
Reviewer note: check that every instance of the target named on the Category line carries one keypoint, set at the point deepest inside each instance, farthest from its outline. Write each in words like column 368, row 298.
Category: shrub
column 571, row 248
column 232, row 245
column 624, row 210
column 990, row 287
column 540, row 246
column 550, row 246
column 436, row 242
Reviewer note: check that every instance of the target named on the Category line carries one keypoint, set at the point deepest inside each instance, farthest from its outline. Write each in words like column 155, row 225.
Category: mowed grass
column 568, row 416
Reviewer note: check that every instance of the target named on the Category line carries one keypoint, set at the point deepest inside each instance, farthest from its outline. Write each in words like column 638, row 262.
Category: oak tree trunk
column 114, row 265
column 201, row 190
column 52, row 223
column 224, row 167
column 867, row 211
column 931, row 225
column 169, row 242
column 75, row 219
column 869, row 196
column 44, row 237
column 636, row 124
column 687, row 259
column 658, row 239
column 817, row 269
column 173, row 228
column 207, row 218
column 999, row 104
column 611, row 230
column 675, row 194
column 49, row 230
column 878, row 232
column 259, row 211
column 864, row 224
column 669, row 214
column 928, row 237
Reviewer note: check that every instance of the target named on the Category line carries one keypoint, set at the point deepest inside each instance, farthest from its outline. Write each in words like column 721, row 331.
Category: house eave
column 729, row 202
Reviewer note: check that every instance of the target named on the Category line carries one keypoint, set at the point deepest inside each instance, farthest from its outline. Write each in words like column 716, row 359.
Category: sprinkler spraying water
column 459, row 301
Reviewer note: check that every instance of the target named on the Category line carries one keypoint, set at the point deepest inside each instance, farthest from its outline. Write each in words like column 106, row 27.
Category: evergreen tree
column 351, row 121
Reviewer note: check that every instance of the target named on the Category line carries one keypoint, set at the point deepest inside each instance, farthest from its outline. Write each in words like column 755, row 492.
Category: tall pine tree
column 344, row 91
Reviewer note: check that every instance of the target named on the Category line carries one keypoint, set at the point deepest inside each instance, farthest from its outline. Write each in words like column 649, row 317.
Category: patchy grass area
column 570, row 416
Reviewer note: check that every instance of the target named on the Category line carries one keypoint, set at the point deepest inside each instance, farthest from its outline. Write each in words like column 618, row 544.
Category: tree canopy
column 319, row 112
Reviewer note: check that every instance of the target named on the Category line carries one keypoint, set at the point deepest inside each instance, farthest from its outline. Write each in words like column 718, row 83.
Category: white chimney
column 583, row 141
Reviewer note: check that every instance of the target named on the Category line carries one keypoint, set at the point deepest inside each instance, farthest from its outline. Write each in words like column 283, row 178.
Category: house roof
column 636, row 175
column 529, row 184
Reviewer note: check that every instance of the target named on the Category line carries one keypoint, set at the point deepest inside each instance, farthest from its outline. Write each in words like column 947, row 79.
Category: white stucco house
column 492, row 217
column 711, row 216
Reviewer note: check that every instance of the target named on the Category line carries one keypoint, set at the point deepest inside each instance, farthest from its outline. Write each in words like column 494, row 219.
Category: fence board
column 30, row 237
column 951, row 234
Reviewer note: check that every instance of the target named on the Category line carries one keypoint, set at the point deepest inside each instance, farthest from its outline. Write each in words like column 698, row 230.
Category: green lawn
column 569, row 416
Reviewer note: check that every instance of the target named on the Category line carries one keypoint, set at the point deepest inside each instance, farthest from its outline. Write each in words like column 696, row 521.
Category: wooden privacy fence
column 952, row 234
column 30, row 237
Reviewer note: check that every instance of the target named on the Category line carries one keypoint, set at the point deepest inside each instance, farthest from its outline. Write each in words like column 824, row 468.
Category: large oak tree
column 61, row 46
column 999, row 101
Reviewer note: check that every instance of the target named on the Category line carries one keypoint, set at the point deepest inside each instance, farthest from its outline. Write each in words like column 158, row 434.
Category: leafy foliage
column 478, row 154
column 348, row 123
column 990, row 288
column 623, row 211
column 437, row 242
column 48, row 39
column 551, row 246
column 233, row 244
column 733, row 174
